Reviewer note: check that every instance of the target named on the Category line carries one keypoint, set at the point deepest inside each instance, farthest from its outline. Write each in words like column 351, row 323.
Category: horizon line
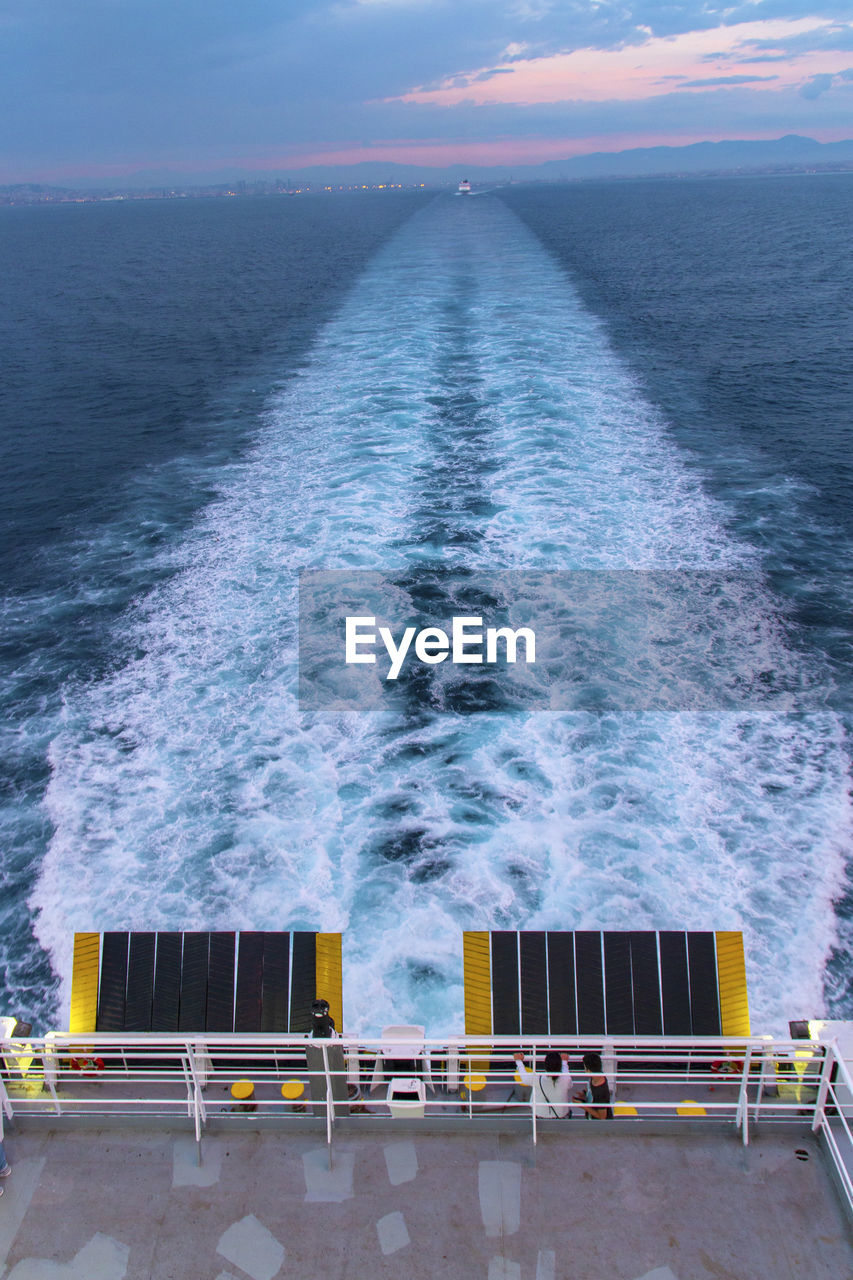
column 269, row 166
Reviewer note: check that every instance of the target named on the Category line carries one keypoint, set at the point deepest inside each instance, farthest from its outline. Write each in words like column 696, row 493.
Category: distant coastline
column 788, row 156
column 37, row 194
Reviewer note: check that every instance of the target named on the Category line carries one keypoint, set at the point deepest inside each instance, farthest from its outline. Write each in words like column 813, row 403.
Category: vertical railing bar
column 533, row 1097
column 189, row 1084
column 56, row 1104
column 198, row 1088
column 823, row 1088
column 325, row 1051
column 199, row 1111
column 50, row 1071
column 743, row 1098
column 765, row 1063
column 197, row 1120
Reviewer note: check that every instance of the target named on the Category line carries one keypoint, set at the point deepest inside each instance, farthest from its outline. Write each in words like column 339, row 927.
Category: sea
column 203, row 401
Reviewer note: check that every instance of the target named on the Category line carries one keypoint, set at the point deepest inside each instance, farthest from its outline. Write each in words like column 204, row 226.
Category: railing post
column 199, row 1110
column 49, row 1067
column 533, row 1095
column 200, row 1103
column 188, row 1081
column 742, row 1114
column 768, row 1067
column 823, row 1087
column 197, row 1122
column 325, row 1048
column 202, row 1062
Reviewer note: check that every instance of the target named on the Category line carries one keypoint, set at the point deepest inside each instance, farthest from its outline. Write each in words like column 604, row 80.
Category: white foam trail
column 462, row 408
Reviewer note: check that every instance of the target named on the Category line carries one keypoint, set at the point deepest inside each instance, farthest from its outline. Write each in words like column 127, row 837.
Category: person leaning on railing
column 551, row 1087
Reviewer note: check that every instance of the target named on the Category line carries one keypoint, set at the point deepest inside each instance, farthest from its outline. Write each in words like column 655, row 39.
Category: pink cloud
column 638, row 71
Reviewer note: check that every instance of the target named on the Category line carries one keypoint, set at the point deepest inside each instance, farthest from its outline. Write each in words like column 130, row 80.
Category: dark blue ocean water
column 201, row 398
column 731, row 299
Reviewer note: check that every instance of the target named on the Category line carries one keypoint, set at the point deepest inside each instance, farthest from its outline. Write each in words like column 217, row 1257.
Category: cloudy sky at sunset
column 111, row 87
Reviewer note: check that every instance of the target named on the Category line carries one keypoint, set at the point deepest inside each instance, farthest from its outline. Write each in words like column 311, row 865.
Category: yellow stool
column 292, row 1091
column 243, row 1092
column 472, row 1083
column 690, row 1108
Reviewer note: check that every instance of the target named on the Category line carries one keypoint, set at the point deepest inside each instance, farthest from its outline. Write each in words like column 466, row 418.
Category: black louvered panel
column 303, row 981
column 220, row 983
column 645, row 980
column 561, row 984
column 704, row 1001
column 505, row 1012
column 275, row 982
column 250, row 968
column 194, row 967
column 167, row 982
column 675, row 990
column 618, row 996
column 140, row 982
column 590, row 984
column 534, row 984
column 113, row 985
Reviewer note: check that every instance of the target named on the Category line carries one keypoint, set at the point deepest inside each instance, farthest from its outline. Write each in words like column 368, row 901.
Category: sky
column 112, row 88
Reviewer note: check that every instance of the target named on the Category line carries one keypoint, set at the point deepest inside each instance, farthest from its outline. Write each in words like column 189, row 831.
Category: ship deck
column 122, row 1203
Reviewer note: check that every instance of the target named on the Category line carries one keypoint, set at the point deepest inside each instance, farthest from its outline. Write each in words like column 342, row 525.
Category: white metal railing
column 832, row 1115
column 738, row 1081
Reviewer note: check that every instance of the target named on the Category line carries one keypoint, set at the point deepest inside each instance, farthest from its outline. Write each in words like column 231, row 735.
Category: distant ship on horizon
column 464, row 188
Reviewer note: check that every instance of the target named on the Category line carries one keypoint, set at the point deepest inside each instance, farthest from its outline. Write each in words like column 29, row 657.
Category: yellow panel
column 790, row 1073
column 478, row 984
column 329, row 975
column 731, row 975
column 84, row 982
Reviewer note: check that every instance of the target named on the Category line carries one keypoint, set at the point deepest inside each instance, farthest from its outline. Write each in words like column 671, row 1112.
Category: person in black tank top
column 595, row 1101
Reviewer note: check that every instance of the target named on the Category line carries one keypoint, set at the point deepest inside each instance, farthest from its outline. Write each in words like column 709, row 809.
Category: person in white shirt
column 551, row 1087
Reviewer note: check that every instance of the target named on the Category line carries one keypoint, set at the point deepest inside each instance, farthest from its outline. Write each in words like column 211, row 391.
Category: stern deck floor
column 133, row 1205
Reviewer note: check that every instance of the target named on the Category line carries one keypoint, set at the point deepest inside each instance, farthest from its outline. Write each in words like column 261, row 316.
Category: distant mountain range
column 791, row 152
column 704, row 157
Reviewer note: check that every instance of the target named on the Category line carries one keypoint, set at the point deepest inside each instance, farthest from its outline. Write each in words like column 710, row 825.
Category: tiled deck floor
column 582, row 1205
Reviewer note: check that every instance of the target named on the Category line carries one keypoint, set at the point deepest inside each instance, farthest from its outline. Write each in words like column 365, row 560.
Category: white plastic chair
column 406, row 1098
column 402, row 1042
